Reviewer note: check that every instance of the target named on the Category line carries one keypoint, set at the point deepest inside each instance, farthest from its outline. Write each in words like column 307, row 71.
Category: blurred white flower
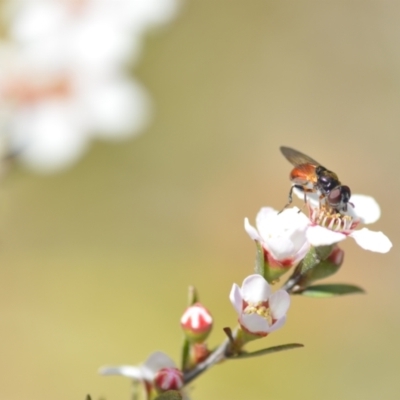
column 260, row 311
column 157, row 372
column 62, row 80
column 145, row 372
column 50, row 118
column 111, row 29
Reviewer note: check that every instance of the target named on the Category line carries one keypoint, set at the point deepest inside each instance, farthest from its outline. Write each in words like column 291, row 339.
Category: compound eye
column 346, row 194
column 335, row 196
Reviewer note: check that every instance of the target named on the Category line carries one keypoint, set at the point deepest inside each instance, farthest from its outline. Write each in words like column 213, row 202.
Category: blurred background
column 96, row 257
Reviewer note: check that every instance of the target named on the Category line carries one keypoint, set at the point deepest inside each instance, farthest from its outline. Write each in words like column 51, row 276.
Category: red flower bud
column 196, row 322
column 168, row 379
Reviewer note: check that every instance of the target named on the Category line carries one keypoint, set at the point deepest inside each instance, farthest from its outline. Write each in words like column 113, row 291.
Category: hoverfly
column 310, row 176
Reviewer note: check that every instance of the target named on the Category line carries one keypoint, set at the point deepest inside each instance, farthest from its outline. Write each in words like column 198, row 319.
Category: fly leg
column 291, row 196
column 305, row 191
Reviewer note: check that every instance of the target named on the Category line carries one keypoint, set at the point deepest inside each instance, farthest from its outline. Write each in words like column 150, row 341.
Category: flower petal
column 117, row 108
column 279, row 303
column 235, row 297
column 255, row 289
column 320, row 236
column 365, row 208
column 36, row 21
column 373, row 241
column 264, row 216
column 283, row 235
column 277, row 324
column 49, row 136
column 158, row 360
column 254, row 323
column 292, row 217
column 272, row 224
column 301, row 253
column 252, row 232
column 123, row 370
column 281, row 248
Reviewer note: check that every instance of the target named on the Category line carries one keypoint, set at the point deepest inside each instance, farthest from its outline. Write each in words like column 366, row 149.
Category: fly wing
column 297, row 158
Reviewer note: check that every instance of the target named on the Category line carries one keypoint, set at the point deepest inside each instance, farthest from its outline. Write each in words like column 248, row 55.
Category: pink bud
column 336, row 257
column 197, row 323
column 200, row 352
column 168, row 379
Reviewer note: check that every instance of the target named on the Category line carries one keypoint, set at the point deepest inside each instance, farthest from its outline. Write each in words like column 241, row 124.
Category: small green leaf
column 192, row 296
column 88, row 397
column 268, row 350
column 259, row 267
column 331, row 290
column 169, row 395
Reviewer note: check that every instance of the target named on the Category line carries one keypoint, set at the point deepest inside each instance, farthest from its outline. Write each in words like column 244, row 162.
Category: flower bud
column 199, row 352
column 197, row 323
column 168, row 379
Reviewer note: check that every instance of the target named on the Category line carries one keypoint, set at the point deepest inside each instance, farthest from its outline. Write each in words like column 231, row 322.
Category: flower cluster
column 286, row 240
column 260, row 312
column 286, row 237
column 63, row 78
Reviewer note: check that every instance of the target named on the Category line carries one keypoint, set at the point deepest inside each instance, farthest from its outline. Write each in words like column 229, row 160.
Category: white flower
column 90, row 33
column 145, row 372
column 141, row 15
column 283, row 235
column 50, row 117
column 62, row 80
column 327, row 228
column 260, row 312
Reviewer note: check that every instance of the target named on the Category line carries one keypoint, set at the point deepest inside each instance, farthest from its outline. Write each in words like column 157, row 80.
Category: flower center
column 26, row 92
column 261, row 309
column 334, row 221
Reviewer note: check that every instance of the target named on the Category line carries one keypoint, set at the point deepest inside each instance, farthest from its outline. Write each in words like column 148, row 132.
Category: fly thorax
column 327, row 180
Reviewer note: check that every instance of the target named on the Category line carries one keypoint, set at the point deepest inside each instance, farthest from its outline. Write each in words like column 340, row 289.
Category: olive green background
column 95, row 262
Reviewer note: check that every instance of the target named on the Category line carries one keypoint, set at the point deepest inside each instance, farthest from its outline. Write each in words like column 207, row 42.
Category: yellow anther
column 259, row 309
